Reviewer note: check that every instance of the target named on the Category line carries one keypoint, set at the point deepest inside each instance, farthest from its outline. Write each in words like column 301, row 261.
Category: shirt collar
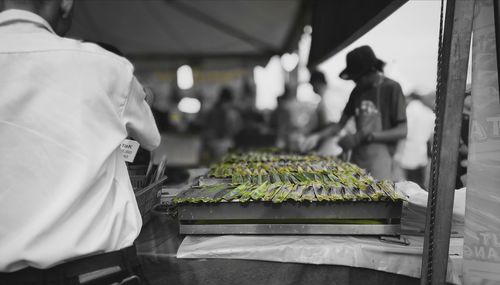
column 15, row 15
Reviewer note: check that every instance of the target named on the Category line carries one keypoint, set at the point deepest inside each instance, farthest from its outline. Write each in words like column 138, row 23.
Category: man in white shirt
column 65, row 107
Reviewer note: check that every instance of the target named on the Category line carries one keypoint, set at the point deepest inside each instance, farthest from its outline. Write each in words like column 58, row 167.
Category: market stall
column 217, row 257
column 270, row 216
column 438, row 258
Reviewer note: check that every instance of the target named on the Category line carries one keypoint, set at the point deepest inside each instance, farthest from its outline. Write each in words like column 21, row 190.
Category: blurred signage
column 482, row 219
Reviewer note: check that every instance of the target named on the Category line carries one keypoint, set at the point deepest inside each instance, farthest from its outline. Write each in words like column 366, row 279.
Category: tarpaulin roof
column 336, row 24
column 250, row 30
column 190, row 28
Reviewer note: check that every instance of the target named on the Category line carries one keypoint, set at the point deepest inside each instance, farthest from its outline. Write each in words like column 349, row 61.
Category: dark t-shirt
column 392, row 105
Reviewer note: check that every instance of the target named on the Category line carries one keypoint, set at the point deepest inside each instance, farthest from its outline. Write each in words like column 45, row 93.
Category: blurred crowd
column 233, row 122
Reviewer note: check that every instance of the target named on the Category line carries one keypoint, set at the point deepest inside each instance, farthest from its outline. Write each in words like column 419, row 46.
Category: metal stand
column 452, row 75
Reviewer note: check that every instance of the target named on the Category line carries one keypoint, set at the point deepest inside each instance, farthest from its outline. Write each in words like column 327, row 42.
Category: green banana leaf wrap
column 278, row 177
column 282, row 194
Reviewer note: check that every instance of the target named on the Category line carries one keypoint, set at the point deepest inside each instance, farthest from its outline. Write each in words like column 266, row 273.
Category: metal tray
column 339, row 218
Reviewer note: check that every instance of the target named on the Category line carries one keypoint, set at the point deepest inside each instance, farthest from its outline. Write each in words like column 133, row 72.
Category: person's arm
column 331, row 130
column 334, row 128
column 389, row 135
column 139, row 119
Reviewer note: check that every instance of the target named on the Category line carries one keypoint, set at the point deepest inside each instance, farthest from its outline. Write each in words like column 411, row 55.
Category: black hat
column 360, row 61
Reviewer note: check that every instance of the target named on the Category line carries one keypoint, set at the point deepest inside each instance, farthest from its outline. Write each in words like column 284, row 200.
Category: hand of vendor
column 310, row 142
column 352, row 141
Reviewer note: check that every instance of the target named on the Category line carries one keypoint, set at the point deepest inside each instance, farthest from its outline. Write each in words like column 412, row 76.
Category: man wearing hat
column 378, row 106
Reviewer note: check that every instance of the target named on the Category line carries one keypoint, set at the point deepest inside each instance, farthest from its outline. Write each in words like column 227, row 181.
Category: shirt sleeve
column 139, row 119
column 398, row 112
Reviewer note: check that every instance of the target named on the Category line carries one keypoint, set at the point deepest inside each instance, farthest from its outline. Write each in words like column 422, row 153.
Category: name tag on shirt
column 129, row 149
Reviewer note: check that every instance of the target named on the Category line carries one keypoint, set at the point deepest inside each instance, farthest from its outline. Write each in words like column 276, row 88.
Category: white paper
column 129, row 149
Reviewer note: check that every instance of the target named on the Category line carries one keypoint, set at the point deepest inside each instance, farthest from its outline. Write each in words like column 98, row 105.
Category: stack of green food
column 273, row 177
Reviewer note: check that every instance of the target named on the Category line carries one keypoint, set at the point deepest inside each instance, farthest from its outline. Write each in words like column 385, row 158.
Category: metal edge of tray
column 290, row 210
column 285, row 229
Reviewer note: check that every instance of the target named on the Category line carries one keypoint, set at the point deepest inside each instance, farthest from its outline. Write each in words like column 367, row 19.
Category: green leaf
column 308, row 194
column 282, row 194
column 271, row 191
column 259, row 191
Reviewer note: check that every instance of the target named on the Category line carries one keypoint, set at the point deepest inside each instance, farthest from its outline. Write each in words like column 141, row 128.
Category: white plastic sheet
column 414, row 211
column 365, row 252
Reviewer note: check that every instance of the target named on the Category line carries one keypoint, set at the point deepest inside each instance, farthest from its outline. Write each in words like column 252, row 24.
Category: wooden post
column 451, row 90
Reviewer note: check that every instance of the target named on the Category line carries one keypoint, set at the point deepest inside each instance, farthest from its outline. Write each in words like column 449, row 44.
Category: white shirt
column 413, row 151
column 333, row 104
column 65, row 107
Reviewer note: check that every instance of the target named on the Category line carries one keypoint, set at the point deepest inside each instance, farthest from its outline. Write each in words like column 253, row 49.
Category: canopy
column 247, row 30
column 190, row 29
column 336, row 24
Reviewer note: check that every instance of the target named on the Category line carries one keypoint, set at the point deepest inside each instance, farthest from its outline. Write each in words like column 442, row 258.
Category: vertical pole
column 449, row 104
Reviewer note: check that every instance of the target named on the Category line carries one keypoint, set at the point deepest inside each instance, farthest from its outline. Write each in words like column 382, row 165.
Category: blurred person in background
column 320, row 85
column 378, row 106
column 67, row 107
column 165, row 110
column 254, row 132
column 412, row 153
column 177, row 129
column 281, row 122
column 222, row 123
column 291, row 120
column 326, row 113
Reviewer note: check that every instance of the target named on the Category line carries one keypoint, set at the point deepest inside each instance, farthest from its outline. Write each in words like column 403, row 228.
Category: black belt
column 80, row 271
